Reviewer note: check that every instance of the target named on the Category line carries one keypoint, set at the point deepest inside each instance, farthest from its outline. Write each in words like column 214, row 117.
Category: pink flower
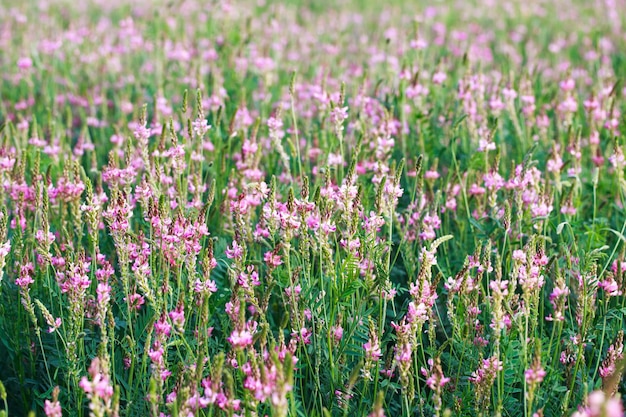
column 439, row 77
column 274, row 124
column 535, row 374
column 55, row 325
column 200, row 126
column 236, row 252
column 156, row 353
column 135, row 301
column 98, row 385
column 24, row 63
column 601, row 406
column 567, row 84
column 519, row 255
column 431, row 175
column 178, row 318
column 435, row 378
column 337, row 333
column 162, row 327
column 142, row 133
column 372, row 350
column 303, row 335
column 487, row 372
column 610, row 287
column 313, row 222
column 44, row 238
column 335, row 159
column 53, row 408
column 295, row 291
column 240, row 339
column 338, row 115
column 25, row 278
column 272, row 259
column 205, row 286
column 5, row 248
column 103, row 291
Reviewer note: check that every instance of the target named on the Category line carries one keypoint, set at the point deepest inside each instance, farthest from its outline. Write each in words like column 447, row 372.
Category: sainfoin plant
column 251, row 208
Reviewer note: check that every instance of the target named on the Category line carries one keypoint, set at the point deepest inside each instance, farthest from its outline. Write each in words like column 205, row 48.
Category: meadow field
column 312, row 208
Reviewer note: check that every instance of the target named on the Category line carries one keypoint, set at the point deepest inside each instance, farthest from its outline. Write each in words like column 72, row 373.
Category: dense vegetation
column 300, row 208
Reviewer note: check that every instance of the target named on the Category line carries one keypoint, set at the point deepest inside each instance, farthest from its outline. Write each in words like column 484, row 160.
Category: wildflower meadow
column 312, row 208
